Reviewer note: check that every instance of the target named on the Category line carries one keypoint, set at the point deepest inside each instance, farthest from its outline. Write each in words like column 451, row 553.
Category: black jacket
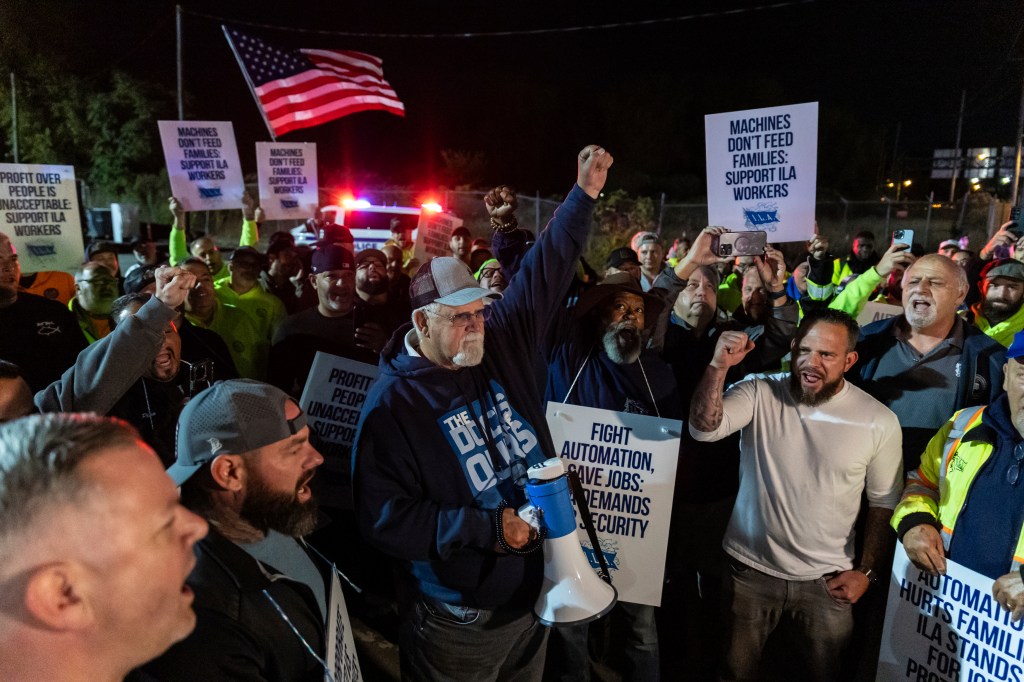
column 980, row 381
column 239, row 634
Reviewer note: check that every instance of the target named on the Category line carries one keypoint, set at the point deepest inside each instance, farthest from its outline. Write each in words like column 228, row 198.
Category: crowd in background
column 802, row 430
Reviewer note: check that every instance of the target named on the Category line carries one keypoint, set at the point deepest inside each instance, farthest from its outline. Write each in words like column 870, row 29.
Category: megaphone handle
column 581, row 503
column 531, row 515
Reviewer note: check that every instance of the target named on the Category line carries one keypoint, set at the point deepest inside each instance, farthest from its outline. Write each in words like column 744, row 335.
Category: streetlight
column 905, row 183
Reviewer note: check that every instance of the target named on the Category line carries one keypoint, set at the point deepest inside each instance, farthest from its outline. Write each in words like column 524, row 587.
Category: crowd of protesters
column 809, row 440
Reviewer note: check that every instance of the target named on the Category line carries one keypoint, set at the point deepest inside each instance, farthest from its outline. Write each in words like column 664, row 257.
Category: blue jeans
column 438, row 642
column 756, row 603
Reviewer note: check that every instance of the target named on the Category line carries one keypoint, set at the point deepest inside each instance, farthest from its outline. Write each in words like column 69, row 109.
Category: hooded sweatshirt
column 438, row 450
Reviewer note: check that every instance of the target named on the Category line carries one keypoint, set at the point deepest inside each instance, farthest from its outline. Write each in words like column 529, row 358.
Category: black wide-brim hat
column 594, row 297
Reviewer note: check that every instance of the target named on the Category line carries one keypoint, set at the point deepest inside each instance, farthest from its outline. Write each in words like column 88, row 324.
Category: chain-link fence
column 976, row 216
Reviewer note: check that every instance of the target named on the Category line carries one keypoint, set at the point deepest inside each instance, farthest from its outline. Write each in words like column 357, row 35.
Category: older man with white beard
column 447, row 433
column 602, row 363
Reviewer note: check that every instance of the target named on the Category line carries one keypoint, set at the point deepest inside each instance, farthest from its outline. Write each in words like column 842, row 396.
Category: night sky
column 529, row 102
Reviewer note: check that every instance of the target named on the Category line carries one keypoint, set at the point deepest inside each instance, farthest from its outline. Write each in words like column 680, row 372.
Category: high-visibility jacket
column 937, row 490
column 1004, row 331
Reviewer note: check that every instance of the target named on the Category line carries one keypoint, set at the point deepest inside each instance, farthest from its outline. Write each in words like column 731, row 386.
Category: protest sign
column 333, row 401
column 287, row 180
column 946, row 628
column 39, row 212
column 434, row 234
column 202, row 163
column 762, row 170
column 627, row 465
column 341, row 658
column 874, row 311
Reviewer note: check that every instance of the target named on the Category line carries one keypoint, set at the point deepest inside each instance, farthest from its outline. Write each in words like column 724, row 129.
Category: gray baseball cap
column 448, row 281
column 230, row 417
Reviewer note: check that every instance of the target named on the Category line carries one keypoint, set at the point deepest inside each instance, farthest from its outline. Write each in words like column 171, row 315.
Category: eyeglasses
column 489, row 272
column 461, row 320
column 98, row 281
column 1013, row 471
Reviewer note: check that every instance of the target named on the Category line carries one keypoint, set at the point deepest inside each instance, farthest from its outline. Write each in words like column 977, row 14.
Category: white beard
column 623, row 343
column 471, row 350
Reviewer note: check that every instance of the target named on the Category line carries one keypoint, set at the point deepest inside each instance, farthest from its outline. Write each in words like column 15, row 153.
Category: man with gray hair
column 927, row 363
column 447, row 433
column 94, row 551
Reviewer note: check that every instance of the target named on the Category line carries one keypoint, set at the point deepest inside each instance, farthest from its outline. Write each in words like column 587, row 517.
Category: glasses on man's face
column 463, row 319
column 1013, row 471
column 98, row 281
column 489, row 272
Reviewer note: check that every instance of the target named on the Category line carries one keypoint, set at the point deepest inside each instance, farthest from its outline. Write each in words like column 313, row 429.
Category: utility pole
column 1015, row 199
column 956, row 159
column 181, row 87
column 13, row 118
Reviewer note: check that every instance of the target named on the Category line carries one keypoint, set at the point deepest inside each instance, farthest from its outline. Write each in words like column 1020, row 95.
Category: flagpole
column 248, row 80
column 13, row 117
column 181, row 89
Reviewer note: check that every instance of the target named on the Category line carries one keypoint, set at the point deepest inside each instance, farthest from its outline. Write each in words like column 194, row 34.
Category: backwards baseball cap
column 642, row 238
column 461, row 231
column 332, row 257
column 101, row 246
column 230, row 418
column 447, row 281
column 621, row 256
column 1003, row 267
column 367, row 254
column 139, row 278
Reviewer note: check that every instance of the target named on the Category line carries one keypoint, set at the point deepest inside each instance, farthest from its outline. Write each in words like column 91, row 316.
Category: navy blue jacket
column 427, row 475
column 980, row 381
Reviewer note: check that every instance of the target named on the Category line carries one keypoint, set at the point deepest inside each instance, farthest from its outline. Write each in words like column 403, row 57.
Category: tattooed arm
column 707, row 407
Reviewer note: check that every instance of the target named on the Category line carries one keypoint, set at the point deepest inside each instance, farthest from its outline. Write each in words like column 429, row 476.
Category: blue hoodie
column 427, row 476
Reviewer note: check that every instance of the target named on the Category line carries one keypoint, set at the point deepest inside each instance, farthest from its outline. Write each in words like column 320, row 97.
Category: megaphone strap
column 580, row 498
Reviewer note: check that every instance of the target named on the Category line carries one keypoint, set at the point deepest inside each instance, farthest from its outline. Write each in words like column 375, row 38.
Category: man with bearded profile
column 244, row 463
column 810, row 445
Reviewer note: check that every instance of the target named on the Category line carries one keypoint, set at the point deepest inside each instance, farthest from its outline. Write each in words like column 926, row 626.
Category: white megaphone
column 572, row 592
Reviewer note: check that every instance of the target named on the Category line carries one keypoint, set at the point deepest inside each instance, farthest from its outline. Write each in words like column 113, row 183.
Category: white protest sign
column 874, row 311
column 287, row 179
column 202, row 163
column 341, row 647
column 762, row 170
column 333, row 401
column 434, row 234
column 940, row 628
column 39, row 212
column 627, row 465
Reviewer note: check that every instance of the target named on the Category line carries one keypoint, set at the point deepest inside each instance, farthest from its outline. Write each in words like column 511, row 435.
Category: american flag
column 304, row 88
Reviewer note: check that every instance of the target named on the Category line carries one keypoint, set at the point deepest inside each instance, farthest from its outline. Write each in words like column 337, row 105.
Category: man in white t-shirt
column 811, row 444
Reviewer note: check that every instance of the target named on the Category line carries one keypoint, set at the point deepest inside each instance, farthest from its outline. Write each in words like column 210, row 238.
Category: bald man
column 927, row 363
